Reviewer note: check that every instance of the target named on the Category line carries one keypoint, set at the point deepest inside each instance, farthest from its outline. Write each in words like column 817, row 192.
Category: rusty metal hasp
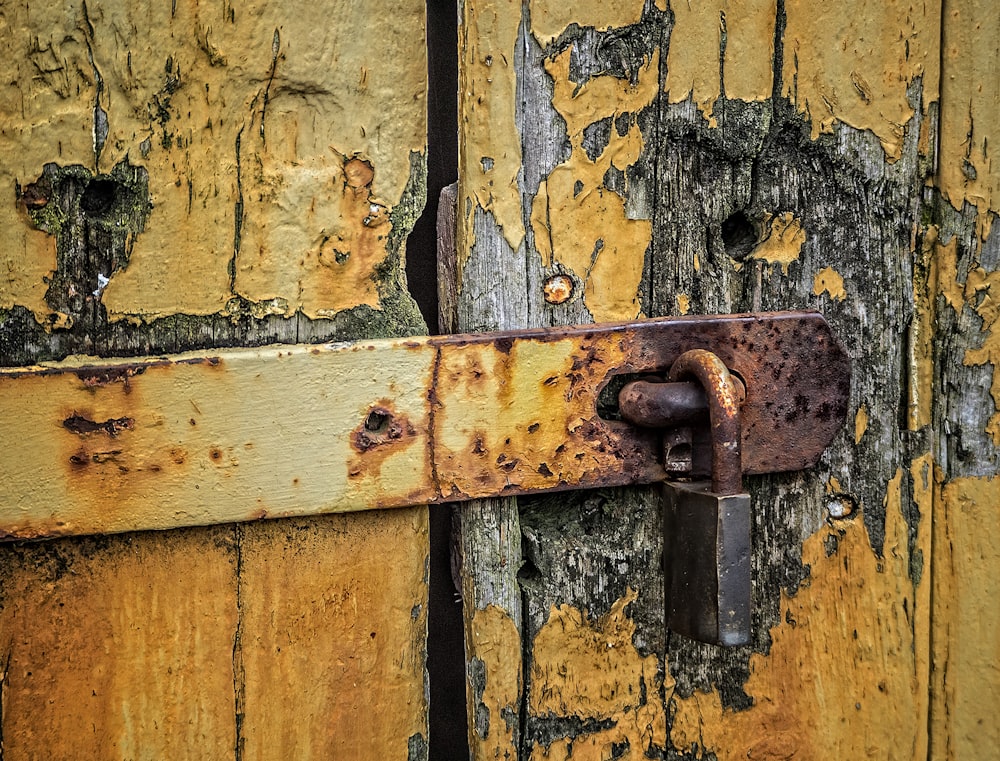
column 107, row 446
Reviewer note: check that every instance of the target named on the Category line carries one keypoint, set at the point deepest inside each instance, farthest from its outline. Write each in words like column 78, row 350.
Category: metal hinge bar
column 104, row 446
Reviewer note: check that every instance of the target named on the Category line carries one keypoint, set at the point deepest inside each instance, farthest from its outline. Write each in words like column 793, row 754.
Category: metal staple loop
column 724, row 399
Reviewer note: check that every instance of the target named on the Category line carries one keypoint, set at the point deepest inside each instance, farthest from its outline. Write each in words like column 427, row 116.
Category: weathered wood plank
column 961, row 261
column 325, row 651
column 161, row 443
column 103, row 651
column 705, row 158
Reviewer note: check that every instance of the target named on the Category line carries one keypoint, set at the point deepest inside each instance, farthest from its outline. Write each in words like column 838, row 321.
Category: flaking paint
column 494, row 638
column 550, row 18
column 969, row 169
column 588, row 668
column 577, row 221
column 698, row 64
column 782, row 242
column 920, row 394
column 980, row 291
column 829, row 281
column 854, row 62
column 489, row 164
column 860, row 423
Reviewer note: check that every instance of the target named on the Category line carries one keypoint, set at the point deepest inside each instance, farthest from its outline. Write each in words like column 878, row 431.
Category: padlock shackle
column 724, row 400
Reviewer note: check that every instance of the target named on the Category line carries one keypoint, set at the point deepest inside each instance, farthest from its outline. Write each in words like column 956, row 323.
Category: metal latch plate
column 103, row 446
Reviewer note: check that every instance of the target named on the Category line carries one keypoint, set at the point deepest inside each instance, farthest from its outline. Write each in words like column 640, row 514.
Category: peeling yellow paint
column 205, row 102
column 969, row 169
column 947, row 275
column 540, row 227
column 26, row 265
column 601, row 96
column 314, row 231
column 860, row 423
column 550, row 18
column 590, row 669
column 982, row 288
column 683, row 303
column 828, row 280
column 846, row 675
column 489, row 140
column 693, row 63
column 920, row 392
column 966, row 694
column 493, row 638
column 576, row 220
column 853, row 62
column 980, row 292
column 782, row 242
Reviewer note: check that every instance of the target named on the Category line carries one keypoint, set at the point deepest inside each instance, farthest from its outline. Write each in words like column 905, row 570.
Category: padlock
column 707, row 524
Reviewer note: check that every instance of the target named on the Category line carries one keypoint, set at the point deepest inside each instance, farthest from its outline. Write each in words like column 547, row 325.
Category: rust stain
column 558, row 289
column 854, row 62
column 82, row 426
column 313, row 235
column 567, row 392
column 455, row 417
column 590, row 670
column 382, row 434
column 493, row 639
column 859, row 617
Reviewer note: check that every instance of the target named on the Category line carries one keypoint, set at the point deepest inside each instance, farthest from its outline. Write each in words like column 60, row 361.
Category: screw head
column 558, row 289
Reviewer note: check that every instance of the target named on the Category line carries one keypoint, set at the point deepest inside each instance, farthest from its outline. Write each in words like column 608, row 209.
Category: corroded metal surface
column 112, row 446
column 724, row 415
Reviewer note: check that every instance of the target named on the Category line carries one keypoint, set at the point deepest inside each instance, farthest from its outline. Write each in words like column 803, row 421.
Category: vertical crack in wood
column 239, row 673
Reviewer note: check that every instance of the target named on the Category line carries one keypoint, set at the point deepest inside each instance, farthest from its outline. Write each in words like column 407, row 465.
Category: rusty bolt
column 359, row 173
column 558, row 289
column 35, row 196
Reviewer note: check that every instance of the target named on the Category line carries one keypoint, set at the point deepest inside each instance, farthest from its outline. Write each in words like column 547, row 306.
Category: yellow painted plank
column 966, row 633
column 333, row 625
column 968, row 167
column 246, row 117
column 119, row 647
column 302, row 430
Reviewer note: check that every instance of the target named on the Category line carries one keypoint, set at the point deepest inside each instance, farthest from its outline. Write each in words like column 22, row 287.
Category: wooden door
column 190, row 176
column 661, row 157
column 199, row 174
